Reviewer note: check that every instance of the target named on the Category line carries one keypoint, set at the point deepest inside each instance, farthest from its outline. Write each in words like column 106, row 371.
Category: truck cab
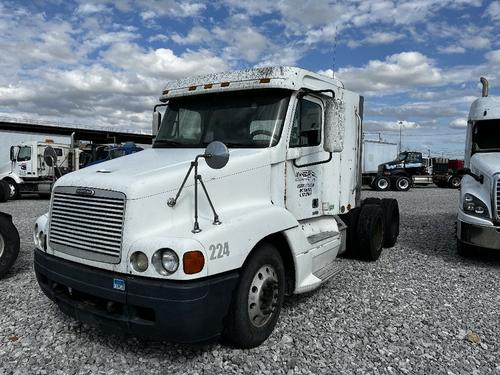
column 28, row 171
column 478, row 221
column 250, row 192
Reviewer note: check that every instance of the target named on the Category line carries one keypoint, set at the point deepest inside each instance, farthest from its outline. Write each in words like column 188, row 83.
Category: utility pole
column 400, row 123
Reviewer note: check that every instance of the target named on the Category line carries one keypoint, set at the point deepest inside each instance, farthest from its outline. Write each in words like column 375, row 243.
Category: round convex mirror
column 50, row 156
column 216, row 155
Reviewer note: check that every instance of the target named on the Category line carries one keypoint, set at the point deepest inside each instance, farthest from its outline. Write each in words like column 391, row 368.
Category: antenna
column 334, row 50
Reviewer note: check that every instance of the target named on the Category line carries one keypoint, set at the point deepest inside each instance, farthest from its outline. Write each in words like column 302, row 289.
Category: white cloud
column 476, row 42
column 89, row 8
column 452, row 49
column 375, row 38
column 391, row 126
column 398, row 72
column 493, row 57
column 493, row 11
column 197, row 35
column 458, row 123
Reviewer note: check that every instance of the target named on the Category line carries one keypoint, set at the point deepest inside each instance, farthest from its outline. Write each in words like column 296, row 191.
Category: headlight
column 475, row 206
column 165, row 261
column 139, row 261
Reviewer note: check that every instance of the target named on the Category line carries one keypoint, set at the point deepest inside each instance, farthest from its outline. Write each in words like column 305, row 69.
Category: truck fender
column 11, row 176
column 240, row 234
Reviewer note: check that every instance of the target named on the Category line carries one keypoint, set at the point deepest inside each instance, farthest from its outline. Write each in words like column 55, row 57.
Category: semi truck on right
column 478, row 221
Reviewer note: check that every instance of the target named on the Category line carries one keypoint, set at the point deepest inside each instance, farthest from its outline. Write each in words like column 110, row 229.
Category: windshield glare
column 251, row 119
column 486, row 136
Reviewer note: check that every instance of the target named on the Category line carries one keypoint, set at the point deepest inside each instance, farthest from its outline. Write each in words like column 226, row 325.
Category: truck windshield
column 247, row 119
column 486, row 136
column 24, row 153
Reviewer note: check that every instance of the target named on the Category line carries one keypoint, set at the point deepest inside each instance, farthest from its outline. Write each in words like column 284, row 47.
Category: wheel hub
column 263, row 296
column 403, row 184
column 382, row 183
column 12, row 189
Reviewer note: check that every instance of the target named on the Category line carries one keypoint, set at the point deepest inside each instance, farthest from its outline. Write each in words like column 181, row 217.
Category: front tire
column 13, row 189
column 9, row 244
column 4, row 191
column 257, row 301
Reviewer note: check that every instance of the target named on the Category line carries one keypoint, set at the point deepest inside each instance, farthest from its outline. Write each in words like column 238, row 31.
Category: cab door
column 305, row 159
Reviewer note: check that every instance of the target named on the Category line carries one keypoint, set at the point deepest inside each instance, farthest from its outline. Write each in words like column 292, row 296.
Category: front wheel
column 9, row 244
column 4, row 191
column 257, row 301
column 13, row 189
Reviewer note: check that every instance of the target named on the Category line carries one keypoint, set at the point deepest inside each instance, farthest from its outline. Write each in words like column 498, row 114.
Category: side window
column 414, row 158
column 306, row 128
column 58, row 151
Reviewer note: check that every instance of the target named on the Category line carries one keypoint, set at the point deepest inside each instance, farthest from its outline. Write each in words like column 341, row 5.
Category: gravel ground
column 407, row 313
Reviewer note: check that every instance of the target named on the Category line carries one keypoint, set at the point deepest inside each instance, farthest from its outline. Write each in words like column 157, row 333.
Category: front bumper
column 189, row 311
column 487, row 237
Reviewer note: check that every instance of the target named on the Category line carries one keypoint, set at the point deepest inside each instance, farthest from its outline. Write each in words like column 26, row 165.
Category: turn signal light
column 193, row 262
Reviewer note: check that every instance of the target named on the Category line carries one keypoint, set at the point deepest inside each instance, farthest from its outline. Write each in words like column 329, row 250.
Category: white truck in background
column 34, row 166
column 478, row 221
column 250, row 192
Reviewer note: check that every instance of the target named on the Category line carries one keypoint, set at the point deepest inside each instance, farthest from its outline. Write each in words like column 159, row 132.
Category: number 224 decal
column 219, row 251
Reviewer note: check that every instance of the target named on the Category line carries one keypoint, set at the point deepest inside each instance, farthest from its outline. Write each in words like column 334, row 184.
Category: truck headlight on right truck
column 474, row 206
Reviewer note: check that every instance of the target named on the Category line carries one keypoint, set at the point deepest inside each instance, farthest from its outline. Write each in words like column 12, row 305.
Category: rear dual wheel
column 381, row 183
column 402, row 183
column 370, row 231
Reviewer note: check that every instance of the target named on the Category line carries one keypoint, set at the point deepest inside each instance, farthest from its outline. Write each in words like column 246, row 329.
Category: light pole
column 400, row 123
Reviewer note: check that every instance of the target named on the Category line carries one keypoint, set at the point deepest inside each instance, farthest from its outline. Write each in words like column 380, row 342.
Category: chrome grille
column 88, row 226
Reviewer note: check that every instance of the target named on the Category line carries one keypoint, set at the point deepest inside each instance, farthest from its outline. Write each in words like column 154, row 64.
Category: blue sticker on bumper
column 119, row 284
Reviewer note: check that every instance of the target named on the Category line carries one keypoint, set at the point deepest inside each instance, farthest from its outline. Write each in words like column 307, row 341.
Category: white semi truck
column 250, row 192
column 34, row 166
column 478, row 222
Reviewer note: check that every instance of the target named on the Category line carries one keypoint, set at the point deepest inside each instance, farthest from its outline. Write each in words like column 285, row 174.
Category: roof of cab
column 284, row 77
column 485, row 108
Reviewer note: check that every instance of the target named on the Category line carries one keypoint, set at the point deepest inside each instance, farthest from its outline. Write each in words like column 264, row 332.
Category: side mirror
column 50, row 156
column 156, row 123
column 216, row 155
column 466, row 171
column 334, row 126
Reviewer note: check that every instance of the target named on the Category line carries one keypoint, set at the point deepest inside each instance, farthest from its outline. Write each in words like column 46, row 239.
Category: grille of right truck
column 87, row 223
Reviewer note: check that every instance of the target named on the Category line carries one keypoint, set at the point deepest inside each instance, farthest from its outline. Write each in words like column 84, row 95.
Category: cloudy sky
column 417, row 62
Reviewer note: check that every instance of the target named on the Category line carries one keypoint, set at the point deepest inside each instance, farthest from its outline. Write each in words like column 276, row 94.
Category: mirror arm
column 172, row 201
column 314, row 163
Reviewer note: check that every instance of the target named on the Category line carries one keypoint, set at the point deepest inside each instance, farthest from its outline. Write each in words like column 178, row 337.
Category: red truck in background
column 444, row 172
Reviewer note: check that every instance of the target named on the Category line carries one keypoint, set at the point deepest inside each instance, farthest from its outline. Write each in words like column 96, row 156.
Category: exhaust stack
column 484, row 81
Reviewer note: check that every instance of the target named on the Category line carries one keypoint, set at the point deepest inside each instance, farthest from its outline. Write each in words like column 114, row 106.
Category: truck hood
column 486, row 164
column 157, row 171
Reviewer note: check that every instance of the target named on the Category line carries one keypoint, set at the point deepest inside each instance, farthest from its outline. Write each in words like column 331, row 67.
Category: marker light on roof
column 265, row 80
column 208, row 86
column 192, row 88
column 224, row 84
